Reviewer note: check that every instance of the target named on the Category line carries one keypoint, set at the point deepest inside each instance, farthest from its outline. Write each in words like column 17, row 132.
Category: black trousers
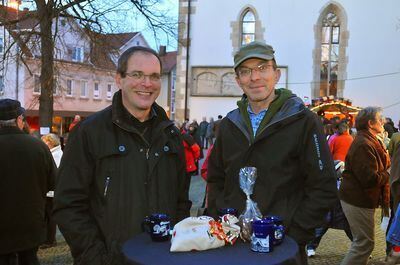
column 25, row 257
column 50, row 224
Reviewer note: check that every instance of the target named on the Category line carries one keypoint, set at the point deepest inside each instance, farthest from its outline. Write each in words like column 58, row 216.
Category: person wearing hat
column 273, row 131
column 27, row 174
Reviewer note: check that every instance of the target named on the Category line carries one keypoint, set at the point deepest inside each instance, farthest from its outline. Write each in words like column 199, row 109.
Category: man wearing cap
column 121, row 164
column 27, row 174
column 273, row 131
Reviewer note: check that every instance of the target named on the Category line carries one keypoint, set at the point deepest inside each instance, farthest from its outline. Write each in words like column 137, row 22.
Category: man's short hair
column 365, row 115
column 8, row 123
column 123, row 59
column 342, row 128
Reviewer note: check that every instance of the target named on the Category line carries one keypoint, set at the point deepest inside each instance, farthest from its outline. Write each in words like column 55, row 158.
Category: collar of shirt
column 256, row 119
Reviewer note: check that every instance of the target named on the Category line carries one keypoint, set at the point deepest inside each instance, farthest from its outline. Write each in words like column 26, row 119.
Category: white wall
column 10, row 69
column 211, row 107
column 372, row 48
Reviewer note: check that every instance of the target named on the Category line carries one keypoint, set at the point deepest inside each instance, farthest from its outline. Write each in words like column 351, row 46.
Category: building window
column 1, row 85
column 109, row 91
column 36, row 86
column 77, row 54
column 330, row 37
column 84, row 89
column 96, row 90
column 248, row 26
column 68, row 92
column 1, row 45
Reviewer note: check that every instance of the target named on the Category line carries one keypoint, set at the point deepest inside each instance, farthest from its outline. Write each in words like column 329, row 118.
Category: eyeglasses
column 245, row 72
column 139, row 76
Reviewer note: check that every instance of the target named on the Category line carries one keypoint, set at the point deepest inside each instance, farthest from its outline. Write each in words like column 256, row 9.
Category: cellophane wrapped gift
column 203, row 232
column 247, row 179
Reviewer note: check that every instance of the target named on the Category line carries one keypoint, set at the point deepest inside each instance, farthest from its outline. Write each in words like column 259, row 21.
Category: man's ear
column 20, row 122
column 277, row 75
column 118, row 78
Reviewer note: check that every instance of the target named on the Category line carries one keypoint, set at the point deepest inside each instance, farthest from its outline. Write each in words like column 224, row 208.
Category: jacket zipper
column 107, row 183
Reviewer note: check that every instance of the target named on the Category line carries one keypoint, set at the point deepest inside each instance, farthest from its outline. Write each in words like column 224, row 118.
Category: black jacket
column 110, row 178
column 296, row 178
column 27, row 173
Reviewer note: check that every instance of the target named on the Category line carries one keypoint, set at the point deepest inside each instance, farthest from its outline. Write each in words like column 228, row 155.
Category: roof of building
column 107, row 42
column 168, row 61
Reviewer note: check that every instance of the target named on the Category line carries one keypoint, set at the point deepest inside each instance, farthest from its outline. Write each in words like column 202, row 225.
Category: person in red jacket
column 192, row 153
column 340, row 145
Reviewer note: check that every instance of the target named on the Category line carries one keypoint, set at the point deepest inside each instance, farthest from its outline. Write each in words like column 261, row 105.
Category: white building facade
column 347, row 49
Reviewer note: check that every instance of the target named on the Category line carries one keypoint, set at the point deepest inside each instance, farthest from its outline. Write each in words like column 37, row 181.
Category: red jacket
column 204, row 167
column 192, row 154
column 340, row 145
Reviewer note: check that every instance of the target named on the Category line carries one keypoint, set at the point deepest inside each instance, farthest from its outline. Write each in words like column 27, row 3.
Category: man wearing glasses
column 273, row 131
column 120, row 165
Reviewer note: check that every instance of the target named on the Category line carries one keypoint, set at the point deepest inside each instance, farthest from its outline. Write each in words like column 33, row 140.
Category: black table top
column 141, row 250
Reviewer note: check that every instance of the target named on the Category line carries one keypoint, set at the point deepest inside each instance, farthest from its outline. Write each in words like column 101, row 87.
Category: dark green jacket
column 296, row 178
column 110, row 179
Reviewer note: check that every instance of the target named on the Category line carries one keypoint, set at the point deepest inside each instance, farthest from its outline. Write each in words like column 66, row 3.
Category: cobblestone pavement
column 331, row 251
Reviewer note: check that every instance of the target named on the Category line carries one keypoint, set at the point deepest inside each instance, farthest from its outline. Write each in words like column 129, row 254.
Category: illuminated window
column 248, row 27
column 330, row 37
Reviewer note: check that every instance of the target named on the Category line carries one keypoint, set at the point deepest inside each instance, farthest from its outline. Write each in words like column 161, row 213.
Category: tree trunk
column 47, row 64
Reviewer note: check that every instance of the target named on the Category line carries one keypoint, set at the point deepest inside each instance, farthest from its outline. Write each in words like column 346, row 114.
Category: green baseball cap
column 255, row 49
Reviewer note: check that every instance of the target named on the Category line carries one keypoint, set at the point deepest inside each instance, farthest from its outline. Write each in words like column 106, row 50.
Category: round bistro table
column 142, row 250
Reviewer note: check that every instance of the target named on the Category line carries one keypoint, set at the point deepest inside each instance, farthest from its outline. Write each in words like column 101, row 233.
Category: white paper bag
column 193, row 233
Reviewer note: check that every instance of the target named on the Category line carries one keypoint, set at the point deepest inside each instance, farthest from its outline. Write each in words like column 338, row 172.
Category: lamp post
column 15, row 5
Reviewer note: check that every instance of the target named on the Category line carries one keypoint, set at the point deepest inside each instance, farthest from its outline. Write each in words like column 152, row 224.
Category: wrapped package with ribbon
column 247, row 179
column 203, row 232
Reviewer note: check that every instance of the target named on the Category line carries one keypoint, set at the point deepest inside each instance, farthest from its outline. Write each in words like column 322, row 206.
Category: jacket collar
column 285, row 105
column 10, row 130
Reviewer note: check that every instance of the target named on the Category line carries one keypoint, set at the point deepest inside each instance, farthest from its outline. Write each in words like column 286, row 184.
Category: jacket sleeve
column 320, row 192
column 71, row 203
column 215, row 177
column 395, row 179
column 184, row 204
column 196, row 151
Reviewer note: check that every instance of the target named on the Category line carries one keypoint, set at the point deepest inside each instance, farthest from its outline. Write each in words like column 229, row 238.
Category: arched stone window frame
column 339, row 11
column 236, row 26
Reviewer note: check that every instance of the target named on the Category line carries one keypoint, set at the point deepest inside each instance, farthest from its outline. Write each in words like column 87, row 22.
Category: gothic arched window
column 248, row 26
column 329, row 55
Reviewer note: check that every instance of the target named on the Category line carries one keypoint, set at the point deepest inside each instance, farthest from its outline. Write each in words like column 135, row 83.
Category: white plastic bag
column 247, row 180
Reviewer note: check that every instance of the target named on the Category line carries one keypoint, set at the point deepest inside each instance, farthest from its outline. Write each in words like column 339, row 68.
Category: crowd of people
column 129, row 161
